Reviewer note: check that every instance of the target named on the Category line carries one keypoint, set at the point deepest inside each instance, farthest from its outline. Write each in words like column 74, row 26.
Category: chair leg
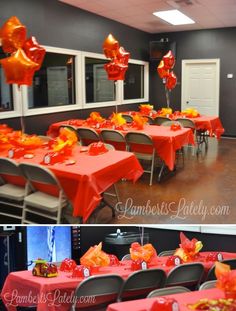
column 119, row 204
column 161, row 172
column 152, row 168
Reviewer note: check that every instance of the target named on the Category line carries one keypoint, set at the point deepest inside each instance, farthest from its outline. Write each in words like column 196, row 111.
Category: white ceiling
column 138, row 13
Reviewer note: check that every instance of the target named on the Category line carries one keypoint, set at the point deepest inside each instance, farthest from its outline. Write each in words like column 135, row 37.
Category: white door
column 103, row 88
column 200, row 85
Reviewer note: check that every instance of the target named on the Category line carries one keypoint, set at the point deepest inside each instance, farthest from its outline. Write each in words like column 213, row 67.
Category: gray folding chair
column 189, row 275
column 113, row 136
column 150, row 120
column 128, row 118
column 134, row 138
column 11, row 195
column 168, row 291
column 126, row 257
column 141, row 283
column 211, row 273
column 160, row 120
column 38, row 203
column 103, row 288
column 208, row 285
column 166, row 253
column 87, row 136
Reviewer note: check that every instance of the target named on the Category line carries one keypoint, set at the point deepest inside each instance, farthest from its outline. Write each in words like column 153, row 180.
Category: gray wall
column 214, row 43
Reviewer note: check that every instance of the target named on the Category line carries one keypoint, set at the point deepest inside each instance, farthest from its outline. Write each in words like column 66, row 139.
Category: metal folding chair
column 208, row 285
column 11, row 195
column 127, row 118
column 126, row 257
column 160, row 120
column 141, row 283
column 168, row 291
column 166, row 253
column 37, row 202
column 113, row 137
column 87, row 136
column 134, row 138
column 189, row 275
column 103, row 288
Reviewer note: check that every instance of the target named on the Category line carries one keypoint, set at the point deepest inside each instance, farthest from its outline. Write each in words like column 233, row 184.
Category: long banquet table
column 212, row 124
column 90, row 176
column 182, row 299
column 166, row 141
column 23, row 284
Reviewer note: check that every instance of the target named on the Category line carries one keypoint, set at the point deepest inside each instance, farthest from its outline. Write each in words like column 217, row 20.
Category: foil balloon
column 13, row 35
column 18, row 68
column 115, row 70
column 123, row 56
column 111, row 46
column 34, row 51
column 169, row 60
column 162, row 70
column 171, row 81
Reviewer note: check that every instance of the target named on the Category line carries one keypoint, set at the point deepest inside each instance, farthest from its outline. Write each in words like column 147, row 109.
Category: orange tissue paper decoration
column 13, row 35
column 95, row 257
column 189, row 249
column 18, row 68
column 139, row 121
column 226, row 279
column 145, row 109
column 34, row 51
column 66, row 140
column 117, row 119
column 95, row 118
column 145, row 253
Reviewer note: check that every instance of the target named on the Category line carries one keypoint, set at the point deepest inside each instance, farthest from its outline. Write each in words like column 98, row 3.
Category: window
column 133, row 84
column 54, row 83
column 98, row 87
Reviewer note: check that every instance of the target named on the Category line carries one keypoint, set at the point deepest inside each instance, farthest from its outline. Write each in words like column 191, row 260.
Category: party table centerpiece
column 189, row 249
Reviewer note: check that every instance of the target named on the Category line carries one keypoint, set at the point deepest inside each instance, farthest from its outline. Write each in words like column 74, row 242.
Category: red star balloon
column 162, row 70
column 18, row 68
column 13, row 35
column 115, row 70
column 34, row 51
column 110, row 46
column 171, row 81
column 123, row 56
column 169, row 60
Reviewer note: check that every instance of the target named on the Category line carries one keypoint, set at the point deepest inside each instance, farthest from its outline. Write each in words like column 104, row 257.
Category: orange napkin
column 189, row 249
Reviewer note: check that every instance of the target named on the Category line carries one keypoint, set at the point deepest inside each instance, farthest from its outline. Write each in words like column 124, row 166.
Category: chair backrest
column 149, row 120
column 126, row 257
column 186, row 275
column 160, row 120
column 112, row 135
column 208, row 285
column 166, row 253
column 103, row 286
column 168, row 291
column 140, row 283
column 169, row 123
column 39, row 174
column 185, row 122
column 9, row 167
column 211, row 273
column 109, row 147
column 87, row 136
column 138, row 138
column 127, row 118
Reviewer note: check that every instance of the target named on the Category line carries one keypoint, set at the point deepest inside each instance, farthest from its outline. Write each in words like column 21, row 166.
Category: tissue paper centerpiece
column 164, row 112
column 139, row 122
column 189, row 250
column 146, row 109
column 95, row 119
column 97, row 148
column 141, row 256
column 68, row 265
column 95, row 257
column 164, row 304
column 117, row 121
column 190, row 113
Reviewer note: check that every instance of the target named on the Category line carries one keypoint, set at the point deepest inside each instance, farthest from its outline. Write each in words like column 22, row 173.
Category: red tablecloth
column 19, row 285
column 209, row 123
column 182, row 299
column 165, row 140
column 90, row 176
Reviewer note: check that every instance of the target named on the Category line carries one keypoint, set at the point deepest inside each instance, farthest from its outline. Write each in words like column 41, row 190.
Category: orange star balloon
column 169, row 60
column 34, row 51
column 13, row 35
column 111, row 46
column 18, row 68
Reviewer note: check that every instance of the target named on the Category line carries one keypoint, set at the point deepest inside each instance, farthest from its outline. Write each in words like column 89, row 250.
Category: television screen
column 52, row 243
column 159, row 48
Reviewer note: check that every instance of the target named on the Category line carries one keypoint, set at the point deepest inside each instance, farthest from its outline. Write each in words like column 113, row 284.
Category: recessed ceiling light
column 174, row 17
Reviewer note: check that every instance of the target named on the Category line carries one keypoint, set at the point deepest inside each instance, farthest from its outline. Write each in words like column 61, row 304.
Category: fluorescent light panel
column 174, row 17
